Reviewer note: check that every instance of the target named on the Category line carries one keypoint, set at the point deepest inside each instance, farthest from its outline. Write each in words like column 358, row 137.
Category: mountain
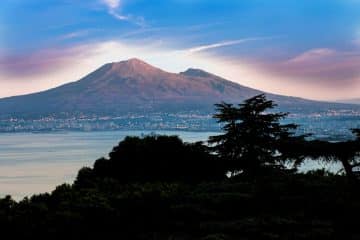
column 350, row 101
column 137, row 87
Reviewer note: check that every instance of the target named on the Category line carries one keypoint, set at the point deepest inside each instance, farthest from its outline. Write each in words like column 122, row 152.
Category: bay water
column 32, row 163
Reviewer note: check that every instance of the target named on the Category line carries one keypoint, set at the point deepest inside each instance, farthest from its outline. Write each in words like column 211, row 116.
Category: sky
column 304, row 48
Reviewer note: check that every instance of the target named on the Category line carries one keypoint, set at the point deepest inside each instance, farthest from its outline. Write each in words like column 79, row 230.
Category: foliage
column 156, row 158
column 345, row 152
column 293, row 206
column 159, row 187
column 253, row 137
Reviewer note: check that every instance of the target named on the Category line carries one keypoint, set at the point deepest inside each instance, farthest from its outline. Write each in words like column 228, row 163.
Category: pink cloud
column 322, row 67
column 317, row 73
column 312, row 56
column 40, row 62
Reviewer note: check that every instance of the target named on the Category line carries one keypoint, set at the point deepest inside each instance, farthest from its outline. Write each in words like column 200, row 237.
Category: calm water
column 36, row 163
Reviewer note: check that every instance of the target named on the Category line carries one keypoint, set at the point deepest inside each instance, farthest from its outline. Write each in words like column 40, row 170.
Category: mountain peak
column 134, row 86
column 132, row 66
column 135, row 61
column 132, row 62
column 195, row 72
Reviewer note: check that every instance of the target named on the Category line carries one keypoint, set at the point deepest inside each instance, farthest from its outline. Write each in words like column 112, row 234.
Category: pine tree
column 253, row 137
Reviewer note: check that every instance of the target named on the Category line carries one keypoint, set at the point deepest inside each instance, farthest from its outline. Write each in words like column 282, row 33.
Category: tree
column 253, row 137
column 155, row 158
column 345, row 152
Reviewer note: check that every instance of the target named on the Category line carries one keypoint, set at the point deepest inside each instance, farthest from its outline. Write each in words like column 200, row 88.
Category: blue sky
column 307, row 48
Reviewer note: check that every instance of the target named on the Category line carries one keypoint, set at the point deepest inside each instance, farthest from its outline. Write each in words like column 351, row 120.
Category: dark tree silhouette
column 253, row 137
column 345, row 152
column 158, row 187
column 155, row 158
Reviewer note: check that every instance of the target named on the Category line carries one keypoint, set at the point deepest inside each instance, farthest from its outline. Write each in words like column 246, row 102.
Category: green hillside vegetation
column 243, row 184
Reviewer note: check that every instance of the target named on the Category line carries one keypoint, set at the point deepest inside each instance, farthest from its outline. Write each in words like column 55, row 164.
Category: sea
column 33, row 163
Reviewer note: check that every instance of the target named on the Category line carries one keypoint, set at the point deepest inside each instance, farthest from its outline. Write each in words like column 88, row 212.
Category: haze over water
column 36, row 163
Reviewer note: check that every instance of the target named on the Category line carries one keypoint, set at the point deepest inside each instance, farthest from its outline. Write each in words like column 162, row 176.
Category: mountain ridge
column 138, row 87
column 350, row 101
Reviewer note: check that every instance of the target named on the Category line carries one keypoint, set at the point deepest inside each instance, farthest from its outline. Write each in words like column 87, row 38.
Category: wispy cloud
column 338, row 77
column 327, row 68
column 313, row 56
column 112, row 4
column 138, row 20
column 73, row 35
column 53, row 67
column 114, row 9
column 221, row 44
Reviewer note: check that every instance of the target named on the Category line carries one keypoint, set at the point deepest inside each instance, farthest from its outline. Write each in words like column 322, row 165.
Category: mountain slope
column 350, row 101
column 135, row 86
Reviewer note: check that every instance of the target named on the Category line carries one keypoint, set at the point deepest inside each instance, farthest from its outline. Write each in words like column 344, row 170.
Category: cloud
column 316, row 73
column 326, row 65
column 219, row 45
column 73, row 35
column 37, row 63
column 137, row 20
column 313, row 56
column 329, row 70
column 112, row 4
column 119, row 16
column 214, row 45
column 114, row 9
column 49, row 68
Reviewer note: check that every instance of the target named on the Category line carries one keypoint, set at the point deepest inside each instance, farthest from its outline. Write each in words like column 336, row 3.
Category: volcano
column 134, row 86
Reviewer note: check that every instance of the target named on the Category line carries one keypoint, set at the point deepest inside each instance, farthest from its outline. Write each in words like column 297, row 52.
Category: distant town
column 330, row 125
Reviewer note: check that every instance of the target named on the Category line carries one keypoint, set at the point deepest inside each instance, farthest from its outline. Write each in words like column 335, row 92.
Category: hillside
column 161, row 188
column 137, row 87
column 350, row 101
